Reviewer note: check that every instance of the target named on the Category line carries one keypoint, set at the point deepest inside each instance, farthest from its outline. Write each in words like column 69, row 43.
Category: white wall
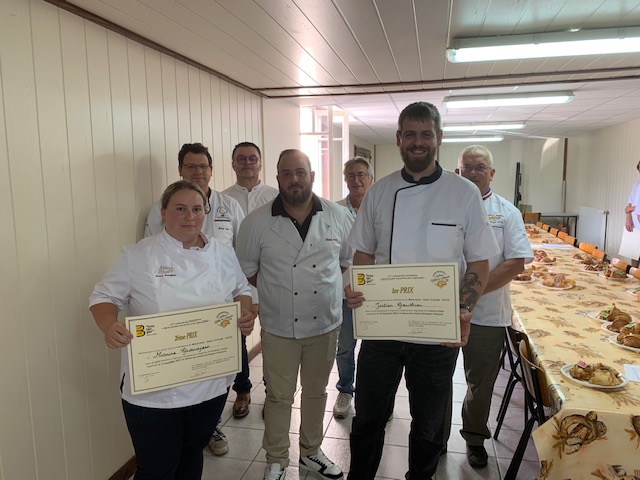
column 90, row 127
column 281, row 131
column 602, row 169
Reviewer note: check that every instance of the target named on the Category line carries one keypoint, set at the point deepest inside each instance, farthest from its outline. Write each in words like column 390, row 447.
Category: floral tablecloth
column 591, row 433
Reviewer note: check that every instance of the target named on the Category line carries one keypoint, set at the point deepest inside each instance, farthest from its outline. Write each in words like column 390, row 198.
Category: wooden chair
column 570, row 240
column 619, row 264
column 562, row 235
column 586, row 247
column 554, row 231
column 535, row 400
column 539, row 224
column 530, row 217
column 599, row 254
column 634, row 272
column 545, row 226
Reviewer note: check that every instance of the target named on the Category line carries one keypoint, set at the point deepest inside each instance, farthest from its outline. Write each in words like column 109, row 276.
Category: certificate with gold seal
column 184, row 346
column 414, row 303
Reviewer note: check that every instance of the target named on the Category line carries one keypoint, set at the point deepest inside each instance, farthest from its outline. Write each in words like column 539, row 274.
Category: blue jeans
column 428, row 373
column 168, row 442
column 242, row 384
column 345, row 358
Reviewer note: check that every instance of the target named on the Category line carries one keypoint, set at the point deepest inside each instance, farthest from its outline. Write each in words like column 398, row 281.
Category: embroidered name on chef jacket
column 496, row 220
column 165, row 271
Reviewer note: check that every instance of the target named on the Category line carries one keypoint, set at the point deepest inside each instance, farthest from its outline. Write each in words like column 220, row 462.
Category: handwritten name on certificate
column 185, row 346
column 414, row 303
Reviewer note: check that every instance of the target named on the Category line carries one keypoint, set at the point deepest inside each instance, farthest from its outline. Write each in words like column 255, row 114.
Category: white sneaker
column 320, row 466
column 342, row 405
column 218, row 443
column 274, row 471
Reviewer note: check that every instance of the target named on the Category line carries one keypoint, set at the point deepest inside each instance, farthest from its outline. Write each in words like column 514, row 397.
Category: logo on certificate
column 224, row 319
column 440, row 279
column 364, row 279
column 142, row 330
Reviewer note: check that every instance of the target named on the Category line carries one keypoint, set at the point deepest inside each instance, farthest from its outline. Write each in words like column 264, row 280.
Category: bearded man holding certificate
column 420, row 214
column 178, row 268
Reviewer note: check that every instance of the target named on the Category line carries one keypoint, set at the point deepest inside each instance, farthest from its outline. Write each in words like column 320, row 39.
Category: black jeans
column 428, row 372
column 242, row 384
column 168, row 442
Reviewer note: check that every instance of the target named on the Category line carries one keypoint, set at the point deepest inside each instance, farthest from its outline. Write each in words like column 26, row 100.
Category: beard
column 296, row 199
column 418, row 163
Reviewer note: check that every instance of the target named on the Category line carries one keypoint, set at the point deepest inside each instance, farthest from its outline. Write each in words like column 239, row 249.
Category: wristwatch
column 466, row 306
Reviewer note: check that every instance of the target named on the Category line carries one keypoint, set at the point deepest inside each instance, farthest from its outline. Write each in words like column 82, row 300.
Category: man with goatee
column 294, row 250
column 420, row 214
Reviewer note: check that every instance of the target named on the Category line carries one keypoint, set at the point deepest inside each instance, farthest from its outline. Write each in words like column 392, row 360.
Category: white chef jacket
column 299, row 282
column 259, row 195
column 346, row 275
column 634, row 199
column 222, row 222
column 158, row 275
column 494, row 308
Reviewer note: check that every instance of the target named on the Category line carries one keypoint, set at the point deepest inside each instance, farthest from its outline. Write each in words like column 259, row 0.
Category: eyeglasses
column 252, row 159
column 470, row 168
column 359, row 176
column 194, row 167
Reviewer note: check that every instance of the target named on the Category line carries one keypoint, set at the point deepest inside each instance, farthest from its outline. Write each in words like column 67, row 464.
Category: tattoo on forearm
column 470, row 289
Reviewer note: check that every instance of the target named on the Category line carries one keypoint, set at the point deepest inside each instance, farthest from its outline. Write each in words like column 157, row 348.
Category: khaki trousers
column 282, row 358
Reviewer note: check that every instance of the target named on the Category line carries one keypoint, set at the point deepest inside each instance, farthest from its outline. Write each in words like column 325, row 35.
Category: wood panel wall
column 90, row 127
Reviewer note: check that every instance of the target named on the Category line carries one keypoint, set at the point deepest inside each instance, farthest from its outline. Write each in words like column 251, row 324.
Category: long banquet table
column 591, row 433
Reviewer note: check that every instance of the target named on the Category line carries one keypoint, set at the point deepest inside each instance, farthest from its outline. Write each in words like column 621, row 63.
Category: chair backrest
column 562, row 235
column 554, row 231
column 539, row 224
column 545, row 226
column 619, row 264
column 530, row 217
column 534, row 380
column 599, row 254
column 587, row 247
column 570, row 240
column 635, row 272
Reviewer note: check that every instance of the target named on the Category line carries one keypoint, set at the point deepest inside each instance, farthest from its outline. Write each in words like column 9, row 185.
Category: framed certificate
column 185, row 346
column 415, row 303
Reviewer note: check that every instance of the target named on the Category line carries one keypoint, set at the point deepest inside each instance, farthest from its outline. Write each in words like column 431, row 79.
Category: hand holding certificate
column 418, row 303
column 175, row 348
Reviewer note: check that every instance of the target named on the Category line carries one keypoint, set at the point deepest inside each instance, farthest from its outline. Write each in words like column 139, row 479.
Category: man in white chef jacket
column 420, row 214
column 250, row 193
column 222, row 221
column 294, row 249
column 493, row 311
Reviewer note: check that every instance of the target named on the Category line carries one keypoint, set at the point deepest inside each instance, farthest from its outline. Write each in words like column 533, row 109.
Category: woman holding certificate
column 179, row 268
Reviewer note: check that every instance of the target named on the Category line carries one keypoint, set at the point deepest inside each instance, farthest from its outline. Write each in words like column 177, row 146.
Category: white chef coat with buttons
column 259, row 195
column 158, row 275
column 299, row 282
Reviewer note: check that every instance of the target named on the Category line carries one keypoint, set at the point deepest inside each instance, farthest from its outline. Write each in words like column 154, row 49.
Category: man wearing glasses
column 251, row 193
column 222, row 221
column 358, row 175
column 493, row 310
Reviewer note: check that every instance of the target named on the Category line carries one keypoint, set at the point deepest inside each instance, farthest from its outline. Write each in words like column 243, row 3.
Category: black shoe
column 477, row 456
column 443, row 451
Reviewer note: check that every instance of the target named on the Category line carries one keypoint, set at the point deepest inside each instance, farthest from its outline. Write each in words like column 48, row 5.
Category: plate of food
column 593, row 269
column 611, row 314
column 563, row 287
column 634, row 340
column 524, row 277
column 597, row 375
column 633, row 291
column 615, row 276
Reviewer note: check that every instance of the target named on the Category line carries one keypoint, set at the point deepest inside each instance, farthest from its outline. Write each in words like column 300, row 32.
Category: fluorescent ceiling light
column 483, row 126
column 543, row 45
column 507, row 100
column 495, row 138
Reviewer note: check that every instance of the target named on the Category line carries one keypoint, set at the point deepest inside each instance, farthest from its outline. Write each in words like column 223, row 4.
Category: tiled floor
column 245, row 459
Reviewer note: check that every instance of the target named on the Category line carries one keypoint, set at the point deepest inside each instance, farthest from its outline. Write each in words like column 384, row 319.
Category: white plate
column 615, row 279
column 524, row 281
column 565, row 371
column 633, row 291
column 566, row 287
column 591, row 271
column 594, row 316
column 605, row 325
column 613, row 340
column 543, row 263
